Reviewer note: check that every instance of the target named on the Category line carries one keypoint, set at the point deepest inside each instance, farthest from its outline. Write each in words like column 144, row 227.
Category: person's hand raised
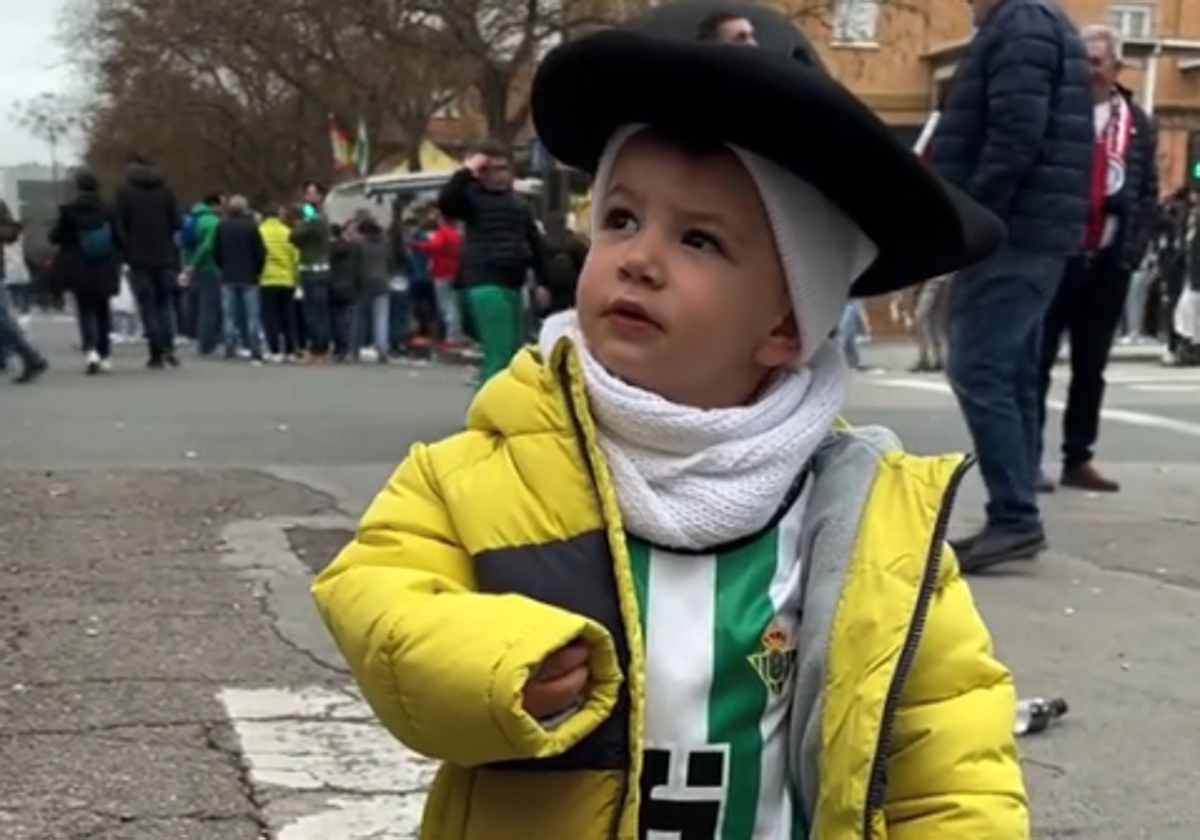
column 559, row 683
column 476, row 162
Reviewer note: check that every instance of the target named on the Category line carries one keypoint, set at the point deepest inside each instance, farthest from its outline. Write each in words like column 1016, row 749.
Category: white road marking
column 1164, row 387
column 1116, row 415
column 347, row 777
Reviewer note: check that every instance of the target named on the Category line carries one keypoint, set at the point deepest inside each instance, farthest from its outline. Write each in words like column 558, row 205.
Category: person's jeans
column 94, row 315
column 995, row 340
column 241, row 315
column 399, row 312
column 317, row 325
column 208, row 311
column 373, row 319
column 154, row 289
column 848, row 331
column 343, row 325
column 929, row 325
column 279, row 325
column 447, row 304
column 21, row 296
column 1087, row 308
column 12, row 338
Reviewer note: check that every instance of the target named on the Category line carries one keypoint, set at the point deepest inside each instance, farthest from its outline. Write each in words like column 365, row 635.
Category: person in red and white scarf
column 1091, row 298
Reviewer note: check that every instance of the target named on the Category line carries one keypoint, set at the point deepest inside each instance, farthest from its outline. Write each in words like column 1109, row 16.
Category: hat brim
column 789, row 112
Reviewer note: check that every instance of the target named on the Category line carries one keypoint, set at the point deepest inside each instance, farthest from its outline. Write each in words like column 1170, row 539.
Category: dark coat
column 73, row 270
column 240, row 252
column 343, row 271
column 374, row 260
column 1136, row 205
column 149, row 217
column 1017, row 128
column 501, row 242
column 566, row 265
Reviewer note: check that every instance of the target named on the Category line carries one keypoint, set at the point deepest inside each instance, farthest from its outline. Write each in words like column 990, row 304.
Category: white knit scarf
column 694, row 478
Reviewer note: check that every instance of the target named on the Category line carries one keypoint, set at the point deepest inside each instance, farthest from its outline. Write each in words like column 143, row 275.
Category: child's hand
column 559, row 683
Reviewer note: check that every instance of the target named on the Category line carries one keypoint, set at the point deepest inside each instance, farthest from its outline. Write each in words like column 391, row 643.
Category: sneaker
column 92, row 367
column 106, row 365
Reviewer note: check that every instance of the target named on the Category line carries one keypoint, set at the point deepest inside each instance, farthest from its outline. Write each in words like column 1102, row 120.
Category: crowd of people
column 467, row 270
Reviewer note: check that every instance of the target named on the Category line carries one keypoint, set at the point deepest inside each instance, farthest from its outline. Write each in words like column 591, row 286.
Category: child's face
column 683, row 293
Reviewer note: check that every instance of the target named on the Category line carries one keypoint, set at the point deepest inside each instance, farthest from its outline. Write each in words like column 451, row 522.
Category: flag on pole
column 362, row 149
column 342, row 145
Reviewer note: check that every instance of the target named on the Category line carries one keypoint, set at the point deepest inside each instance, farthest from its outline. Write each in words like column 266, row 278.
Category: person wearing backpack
column 89, row 265
column 198, row 238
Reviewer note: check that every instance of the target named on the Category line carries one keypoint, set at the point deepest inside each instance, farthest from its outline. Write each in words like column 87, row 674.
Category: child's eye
column 703, row 241
column 619, row 220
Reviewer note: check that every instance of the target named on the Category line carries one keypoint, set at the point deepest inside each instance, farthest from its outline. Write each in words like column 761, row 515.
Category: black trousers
column 154, row 289
column 94, row 314
column 279, row 319
column 1088, row 309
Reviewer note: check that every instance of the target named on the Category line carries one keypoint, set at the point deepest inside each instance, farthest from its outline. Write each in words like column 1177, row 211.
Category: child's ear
column 782, row 346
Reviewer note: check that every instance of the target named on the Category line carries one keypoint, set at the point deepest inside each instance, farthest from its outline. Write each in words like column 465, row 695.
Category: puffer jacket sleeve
column 953, row 771
column 443, row 666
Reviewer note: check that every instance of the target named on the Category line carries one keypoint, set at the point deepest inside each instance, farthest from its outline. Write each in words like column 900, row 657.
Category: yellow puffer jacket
column 282, row 268
column 493, row 548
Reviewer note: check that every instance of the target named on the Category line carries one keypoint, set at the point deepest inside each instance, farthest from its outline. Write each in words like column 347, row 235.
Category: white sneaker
column 106, row 365
column 243, row 353
column 93, row 363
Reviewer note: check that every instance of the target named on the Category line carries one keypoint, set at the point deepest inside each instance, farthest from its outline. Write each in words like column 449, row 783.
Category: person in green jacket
column 199, row 238
column 311, row 236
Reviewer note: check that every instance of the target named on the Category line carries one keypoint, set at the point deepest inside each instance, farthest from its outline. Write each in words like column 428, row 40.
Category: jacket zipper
column 564, row 378
column 877, row 785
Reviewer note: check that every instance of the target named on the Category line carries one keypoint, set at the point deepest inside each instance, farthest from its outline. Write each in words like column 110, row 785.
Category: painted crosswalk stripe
column 1127, row 417
column 325, row 767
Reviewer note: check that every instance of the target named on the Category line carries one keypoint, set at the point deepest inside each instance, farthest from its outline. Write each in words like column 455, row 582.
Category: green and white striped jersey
column 720, row 632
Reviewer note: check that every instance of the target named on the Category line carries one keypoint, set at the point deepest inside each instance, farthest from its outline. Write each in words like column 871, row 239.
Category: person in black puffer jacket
column 241, row 255
column 88, row 265
column 1016, row 134
column 501, row 246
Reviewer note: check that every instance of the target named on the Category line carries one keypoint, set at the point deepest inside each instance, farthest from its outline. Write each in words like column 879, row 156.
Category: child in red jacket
column 443, row 248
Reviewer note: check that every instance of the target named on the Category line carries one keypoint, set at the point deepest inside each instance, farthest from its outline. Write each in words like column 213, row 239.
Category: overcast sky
column 31, row 63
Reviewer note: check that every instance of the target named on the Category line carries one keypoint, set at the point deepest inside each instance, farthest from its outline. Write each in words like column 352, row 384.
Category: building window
column 856, row 22
column 1133, row 20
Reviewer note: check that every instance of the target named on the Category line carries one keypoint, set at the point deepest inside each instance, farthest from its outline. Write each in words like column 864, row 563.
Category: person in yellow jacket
column 657, row 588
column 278, row 283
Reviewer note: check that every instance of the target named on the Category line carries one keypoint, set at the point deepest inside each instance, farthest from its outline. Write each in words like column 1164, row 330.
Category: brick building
column 899, row 56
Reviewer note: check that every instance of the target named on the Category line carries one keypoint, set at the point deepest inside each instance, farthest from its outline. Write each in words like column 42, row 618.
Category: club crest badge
column 776, row 661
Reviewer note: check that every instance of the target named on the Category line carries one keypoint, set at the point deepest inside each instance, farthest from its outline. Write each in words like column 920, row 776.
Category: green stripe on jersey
column 719, row 633
column 639, row 564
column 737, row 701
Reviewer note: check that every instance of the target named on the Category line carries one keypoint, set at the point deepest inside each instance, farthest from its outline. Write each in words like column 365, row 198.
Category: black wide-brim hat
column 777, row 101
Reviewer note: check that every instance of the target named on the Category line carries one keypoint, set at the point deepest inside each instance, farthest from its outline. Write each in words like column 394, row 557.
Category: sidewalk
column 119, row 626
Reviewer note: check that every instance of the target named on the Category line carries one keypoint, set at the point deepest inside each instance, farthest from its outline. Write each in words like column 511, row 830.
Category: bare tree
column 499, row 42
column 253, row 86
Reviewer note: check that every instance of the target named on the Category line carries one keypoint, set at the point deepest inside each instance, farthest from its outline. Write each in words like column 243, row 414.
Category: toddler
column 657, row 589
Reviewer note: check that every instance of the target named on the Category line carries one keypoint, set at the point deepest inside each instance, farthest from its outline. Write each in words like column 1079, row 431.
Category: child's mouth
column 628, row 316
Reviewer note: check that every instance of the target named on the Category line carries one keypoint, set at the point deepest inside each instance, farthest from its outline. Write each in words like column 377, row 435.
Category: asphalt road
column 162, row 674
